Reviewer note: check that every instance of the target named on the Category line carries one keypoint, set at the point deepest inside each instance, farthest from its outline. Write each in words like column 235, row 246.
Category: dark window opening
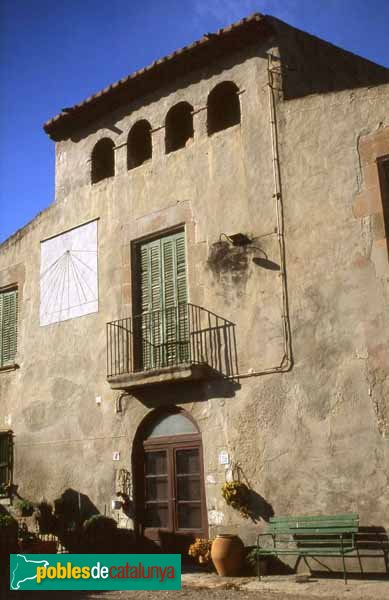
column 6, row 461
column 139, row 145
column 179, row 126
column 223, row 107
column 103, row 160
column 383, row 169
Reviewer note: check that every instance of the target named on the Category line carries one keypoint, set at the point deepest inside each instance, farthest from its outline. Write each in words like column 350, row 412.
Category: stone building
column 207, row 297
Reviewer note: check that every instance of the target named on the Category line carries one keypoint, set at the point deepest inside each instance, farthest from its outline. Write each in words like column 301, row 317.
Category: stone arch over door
column 169, row 494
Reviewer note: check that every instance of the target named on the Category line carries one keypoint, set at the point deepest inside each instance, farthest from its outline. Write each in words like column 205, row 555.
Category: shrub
column 8, row 535
column 45, row 518
column 25, row 508
column 100, row 534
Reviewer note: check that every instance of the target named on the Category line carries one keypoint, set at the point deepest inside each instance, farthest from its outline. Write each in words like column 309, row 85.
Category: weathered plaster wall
column 212, row 186
column 338, row 307
column 309, row 440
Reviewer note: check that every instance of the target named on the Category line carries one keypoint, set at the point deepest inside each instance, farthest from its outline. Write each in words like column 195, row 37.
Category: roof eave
column 246, row 32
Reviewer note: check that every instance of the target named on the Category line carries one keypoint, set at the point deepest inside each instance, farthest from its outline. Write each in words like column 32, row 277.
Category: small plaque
column 116, row 456
column 224, row 458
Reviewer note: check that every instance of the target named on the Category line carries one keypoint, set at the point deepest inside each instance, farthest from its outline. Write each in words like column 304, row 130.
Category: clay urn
column 227, row 554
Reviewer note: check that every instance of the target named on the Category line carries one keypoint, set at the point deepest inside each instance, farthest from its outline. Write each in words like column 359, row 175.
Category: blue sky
column 55, row 54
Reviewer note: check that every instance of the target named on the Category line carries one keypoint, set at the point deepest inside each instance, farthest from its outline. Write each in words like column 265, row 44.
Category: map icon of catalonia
column 24, row 570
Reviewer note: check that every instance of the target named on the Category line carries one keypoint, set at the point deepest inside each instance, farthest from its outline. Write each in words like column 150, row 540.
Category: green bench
column 313, row 537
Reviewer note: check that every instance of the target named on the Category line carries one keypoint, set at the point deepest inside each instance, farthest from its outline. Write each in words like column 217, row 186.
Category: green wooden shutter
column 163, row 298
column 169, row 301
column 182, row 294
column 5, row 459
column 151, row 303
column 8, row 327
column 183, row 346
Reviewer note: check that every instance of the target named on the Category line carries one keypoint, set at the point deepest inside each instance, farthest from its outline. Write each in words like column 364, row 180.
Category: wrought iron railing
column 181, row 334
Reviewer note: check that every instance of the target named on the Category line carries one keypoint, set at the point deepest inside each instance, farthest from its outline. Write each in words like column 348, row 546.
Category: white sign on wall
column 68, row 275
column 224, row 458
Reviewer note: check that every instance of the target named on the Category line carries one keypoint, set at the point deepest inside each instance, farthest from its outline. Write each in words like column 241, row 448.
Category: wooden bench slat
column 316, row 517
column 298, row 523
column 310, row 551
column 306, row 525
column 312, row 530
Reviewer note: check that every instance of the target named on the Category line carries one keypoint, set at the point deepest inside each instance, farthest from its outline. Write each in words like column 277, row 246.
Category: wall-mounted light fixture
column 239, row 239
column 244, row 242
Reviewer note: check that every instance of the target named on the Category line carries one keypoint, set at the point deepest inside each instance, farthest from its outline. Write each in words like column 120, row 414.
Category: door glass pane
column 157, row 515
column 188, row 488
column 188, row 461
column 156, row 463
column 173, row 424
column 189, row 516
column 156, row 488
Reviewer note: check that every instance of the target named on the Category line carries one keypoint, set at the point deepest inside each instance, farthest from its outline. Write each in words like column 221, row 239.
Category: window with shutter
column 163, row 325
column 6, row 455
column 8, row 326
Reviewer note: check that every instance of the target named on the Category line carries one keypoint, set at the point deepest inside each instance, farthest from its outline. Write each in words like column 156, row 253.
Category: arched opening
column 178, row 126
column 139, row 144
column 103, row 160
column 223, row 107
column 169, row 480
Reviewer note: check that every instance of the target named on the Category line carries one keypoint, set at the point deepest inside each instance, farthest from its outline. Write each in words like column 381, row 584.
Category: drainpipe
column 287, row 359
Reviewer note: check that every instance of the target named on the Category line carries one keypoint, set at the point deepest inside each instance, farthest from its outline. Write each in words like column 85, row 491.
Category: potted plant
column 236, row 494
column 45, row 518
column 31, row 543
column 8, row 541
column 201, row 550
column 24, row 508
column 8, row 534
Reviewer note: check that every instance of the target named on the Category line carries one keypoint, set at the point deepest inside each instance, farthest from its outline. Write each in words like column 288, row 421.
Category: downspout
column 287, row 360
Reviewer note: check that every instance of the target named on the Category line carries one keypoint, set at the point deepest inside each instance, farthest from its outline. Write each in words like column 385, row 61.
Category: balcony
column 181, row 343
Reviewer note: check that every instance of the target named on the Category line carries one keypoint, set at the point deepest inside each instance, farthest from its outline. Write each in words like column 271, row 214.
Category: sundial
column 68, row 275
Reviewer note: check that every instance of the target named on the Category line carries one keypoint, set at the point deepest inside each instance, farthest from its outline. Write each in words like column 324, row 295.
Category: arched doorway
column 170, row 507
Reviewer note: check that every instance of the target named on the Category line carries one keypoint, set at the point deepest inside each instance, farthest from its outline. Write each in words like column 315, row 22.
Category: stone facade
column 306, row 416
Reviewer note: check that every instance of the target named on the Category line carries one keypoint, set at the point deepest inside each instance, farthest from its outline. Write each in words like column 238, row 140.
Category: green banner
column 95, row 572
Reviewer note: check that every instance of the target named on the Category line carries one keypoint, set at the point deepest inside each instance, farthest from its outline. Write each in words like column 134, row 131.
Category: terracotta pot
column 227, row 554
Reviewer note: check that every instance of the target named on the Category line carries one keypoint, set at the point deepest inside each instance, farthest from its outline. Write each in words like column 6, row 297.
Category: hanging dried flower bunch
column 236, row 494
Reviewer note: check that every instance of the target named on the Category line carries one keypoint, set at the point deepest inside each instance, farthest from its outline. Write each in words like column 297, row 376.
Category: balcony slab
column 162, row 376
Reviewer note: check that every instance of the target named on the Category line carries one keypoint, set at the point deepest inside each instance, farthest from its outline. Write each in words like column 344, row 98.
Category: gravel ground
column 184, row 594
column 208, row 586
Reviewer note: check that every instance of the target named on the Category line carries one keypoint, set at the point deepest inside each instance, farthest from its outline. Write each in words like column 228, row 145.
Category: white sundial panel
column 68, row 276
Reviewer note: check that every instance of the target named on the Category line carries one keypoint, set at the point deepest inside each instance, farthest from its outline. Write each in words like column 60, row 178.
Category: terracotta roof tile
column 244, row 32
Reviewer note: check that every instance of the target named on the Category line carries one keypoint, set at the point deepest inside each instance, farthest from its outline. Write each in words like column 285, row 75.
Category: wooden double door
column 172, row 507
